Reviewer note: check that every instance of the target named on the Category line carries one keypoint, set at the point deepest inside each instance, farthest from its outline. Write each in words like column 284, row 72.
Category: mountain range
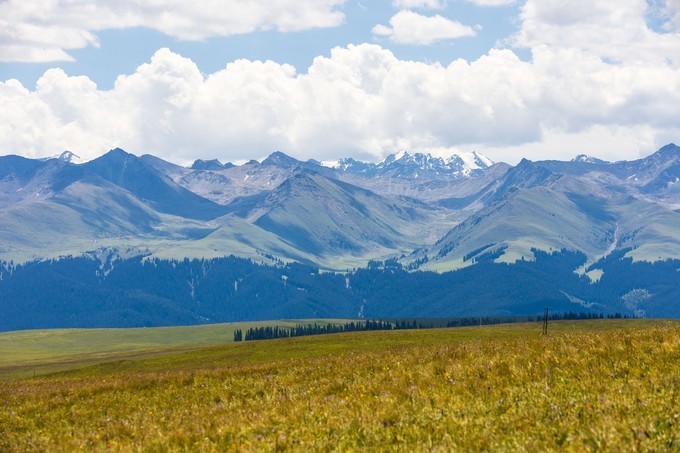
column 339, row 215
column 415, row 211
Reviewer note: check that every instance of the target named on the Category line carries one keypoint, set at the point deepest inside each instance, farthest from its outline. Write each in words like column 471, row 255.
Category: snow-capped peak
column 67, row 156
column 415, row 165
column 588, row 159
column 581, row 158
column 401, row 154
column 485, row 161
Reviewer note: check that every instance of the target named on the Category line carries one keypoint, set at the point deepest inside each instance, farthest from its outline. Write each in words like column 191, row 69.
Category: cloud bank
column 575, row 94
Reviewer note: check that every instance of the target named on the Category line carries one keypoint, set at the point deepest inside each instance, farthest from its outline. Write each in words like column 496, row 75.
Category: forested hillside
column 85, row 292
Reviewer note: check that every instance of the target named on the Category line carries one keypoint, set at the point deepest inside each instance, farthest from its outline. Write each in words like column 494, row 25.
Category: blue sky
column 511, row 79
column 122, row 51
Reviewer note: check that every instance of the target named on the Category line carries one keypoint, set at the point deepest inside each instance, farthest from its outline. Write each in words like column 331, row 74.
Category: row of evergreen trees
column 269, row 332
column 584, row 315
column 568, row 315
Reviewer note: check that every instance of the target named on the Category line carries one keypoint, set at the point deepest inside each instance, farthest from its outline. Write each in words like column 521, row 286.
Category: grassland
column 588, row 385
column 28, row 353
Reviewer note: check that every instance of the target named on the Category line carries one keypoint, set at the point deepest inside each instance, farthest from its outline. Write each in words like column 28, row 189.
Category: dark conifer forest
column 84, row 292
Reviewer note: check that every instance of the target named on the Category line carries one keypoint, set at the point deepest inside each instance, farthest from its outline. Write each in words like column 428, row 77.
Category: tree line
column 272, row 332
column 269, row 332
column 570, row 315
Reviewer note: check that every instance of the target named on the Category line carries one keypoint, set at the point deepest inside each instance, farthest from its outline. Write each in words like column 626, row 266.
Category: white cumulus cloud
column 359, row 101
column 616, row 31
column 44, row 30
column 408, row 27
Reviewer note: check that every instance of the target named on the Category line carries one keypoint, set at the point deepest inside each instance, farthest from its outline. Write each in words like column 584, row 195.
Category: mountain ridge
column 415, row 201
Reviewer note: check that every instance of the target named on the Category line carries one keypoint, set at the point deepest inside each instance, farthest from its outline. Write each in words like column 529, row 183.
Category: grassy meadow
column 26, row 353
column 588, row 385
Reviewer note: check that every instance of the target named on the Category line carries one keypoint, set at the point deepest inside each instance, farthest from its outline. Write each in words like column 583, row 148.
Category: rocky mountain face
column 439, row 213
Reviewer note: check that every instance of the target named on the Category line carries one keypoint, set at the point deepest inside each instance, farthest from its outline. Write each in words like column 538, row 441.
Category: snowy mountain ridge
column 416, row 165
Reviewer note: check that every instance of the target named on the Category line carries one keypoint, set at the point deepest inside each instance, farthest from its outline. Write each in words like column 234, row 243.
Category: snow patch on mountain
column 334, row 164
column 588, row 159
column 66, row 156
column 415, row 165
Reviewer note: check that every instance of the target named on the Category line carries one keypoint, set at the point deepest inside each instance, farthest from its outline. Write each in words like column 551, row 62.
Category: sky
column 324, row 79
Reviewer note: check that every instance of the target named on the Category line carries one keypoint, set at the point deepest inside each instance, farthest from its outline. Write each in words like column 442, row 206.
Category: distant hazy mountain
column 439, row 212
column 324, row 216
column 213, row 164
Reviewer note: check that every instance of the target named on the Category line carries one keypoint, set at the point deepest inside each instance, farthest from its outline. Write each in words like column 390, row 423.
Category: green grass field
column 588, row 385
column 36, row 352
